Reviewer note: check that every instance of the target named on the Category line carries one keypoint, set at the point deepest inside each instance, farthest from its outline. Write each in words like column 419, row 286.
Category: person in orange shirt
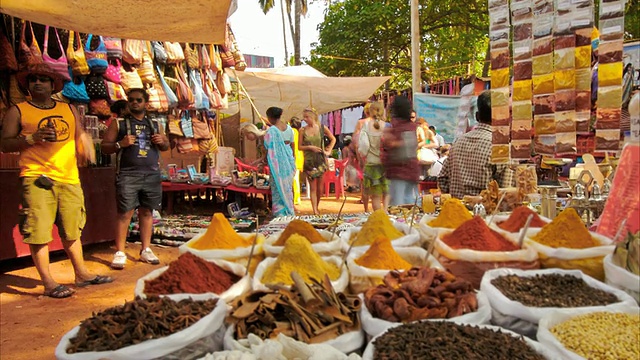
column 51, row 142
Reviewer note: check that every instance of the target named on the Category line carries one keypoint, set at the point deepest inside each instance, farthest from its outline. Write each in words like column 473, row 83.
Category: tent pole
column 248, row 97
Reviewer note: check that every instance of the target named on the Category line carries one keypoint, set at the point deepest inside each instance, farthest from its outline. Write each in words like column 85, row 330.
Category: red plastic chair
column 338, row 181
column 246, row 167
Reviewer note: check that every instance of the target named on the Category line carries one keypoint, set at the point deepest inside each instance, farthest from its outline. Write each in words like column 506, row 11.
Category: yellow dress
column 299, row 165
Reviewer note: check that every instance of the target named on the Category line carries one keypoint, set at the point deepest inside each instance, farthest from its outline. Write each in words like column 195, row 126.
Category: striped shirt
column 467, row 170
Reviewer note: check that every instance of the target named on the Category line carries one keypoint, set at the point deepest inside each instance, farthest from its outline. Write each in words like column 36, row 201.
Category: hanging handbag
column 96, row 89
column 191, row 55
column 116, row 91
column 145, row 70
column 216, row 61
column 130, row 78
column 113, row 46
column 154, row 103
column 59, row 65
column 75, row 89
column 215, row 99
column 172, row 99
column 186, row 124
column 76, row 58
column 113, row 71
column 227, row 57
column 100, row 108
column 184, row 145
column 8, row 61
column 159, row 52
column 132, row 51
column 205, row 60
column 223, row 83
column 200, row 129
column 97, row 58
column 183, row 92
column 201, row 101
column 174, row 52
column 28, row 55
column 163, row 103
column 174, row 125
column 238, row 58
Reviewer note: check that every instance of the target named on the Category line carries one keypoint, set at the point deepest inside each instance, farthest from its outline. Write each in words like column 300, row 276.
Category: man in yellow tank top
column 50, row 140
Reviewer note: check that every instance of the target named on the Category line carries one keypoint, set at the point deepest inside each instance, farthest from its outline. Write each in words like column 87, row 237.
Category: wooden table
column 168, row 187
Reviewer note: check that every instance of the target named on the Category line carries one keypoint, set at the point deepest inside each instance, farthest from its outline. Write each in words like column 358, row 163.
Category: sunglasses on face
column 138, row 100
column 42, row 79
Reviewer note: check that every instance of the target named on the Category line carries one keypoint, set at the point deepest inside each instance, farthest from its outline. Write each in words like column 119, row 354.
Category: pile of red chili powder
column 474, row 234
column 518, row 218
column 190, row 274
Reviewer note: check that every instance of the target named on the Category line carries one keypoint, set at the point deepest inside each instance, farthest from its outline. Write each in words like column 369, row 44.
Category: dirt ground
column 31, row 325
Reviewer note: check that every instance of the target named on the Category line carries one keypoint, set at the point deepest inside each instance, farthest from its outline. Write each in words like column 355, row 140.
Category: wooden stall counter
column 100, row 202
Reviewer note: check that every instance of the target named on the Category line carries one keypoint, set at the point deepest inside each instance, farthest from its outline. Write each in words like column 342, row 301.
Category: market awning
column 195, row 21
column 311, row 88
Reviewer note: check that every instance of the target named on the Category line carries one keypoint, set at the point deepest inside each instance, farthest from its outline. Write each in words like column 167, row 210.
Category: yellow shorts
column 62, row 205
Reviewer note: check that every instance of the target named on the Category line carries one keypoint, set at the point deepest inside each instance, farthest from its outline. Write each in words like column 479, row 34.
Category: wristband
column 29, row 139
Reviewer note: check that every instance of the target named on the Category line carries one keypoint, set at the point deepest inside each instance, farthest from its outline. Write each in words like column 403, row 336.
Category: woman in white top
column 375, row 184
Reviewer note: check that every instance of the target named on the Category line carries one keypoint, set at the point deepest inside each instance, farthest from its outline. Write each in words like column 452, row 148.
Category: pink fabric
column 331, row 122
column 338, row 120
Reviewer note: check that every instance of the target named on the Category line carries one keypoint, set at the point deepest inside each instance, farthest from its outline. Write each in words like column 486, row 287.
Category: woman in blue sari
column 279, row 143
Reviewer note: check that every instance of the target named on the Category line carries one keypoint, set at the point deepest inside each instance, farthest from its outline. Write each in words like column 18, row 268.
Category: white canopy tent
column 194, row 21
column 297, row 87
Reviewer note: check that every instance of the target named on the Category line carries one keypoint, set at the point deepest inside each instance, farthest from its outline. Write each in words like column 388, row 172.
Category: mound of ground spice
column 519, row 217
column 452, row 214
column 476, row 235
column 301, row 228
column 220, row 235
column 381, row 255
column 190, row 274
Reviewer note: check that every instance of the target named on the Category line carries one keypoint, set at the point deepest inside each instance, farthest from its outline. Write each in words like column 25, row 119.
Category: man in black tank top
column 138, row 141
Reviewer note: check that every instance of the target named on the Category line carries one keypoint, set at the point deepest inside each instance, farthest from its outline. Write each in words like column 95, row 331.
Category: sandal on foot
column 98, row 280
column 60, row 292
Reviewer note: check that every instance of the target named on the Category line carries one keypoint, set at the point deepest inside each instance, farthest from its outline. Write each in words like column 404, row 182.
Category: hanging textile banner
column 441, row 111
column 201, row 21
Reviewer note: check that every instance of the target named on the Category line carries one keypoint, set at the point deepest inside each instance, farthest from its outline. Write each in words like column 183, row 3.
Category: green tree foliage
column 362, row 38
column 366, row 38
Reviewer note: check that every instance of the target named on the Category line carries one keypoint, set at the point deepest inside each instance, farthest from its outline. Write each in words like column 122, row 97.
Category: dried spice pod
column 137, row 321
column 446, row 340
column 420, row 293
column 552, row 290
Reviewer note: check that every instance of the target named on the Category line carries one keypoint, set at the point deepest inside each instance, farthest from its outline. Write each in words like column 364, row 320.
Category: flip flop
column 98, row 280
column 60, row 292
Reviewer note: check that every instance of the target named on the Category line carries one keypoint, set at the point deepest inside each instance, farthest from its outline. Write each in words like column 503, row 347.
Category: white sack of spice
column 523, row 318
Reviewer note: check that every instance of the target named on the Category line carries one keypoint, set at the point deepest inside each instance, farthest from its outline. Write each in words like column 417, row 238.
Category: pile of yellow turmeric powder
column 298, row 256
column 221, row 235
column 378, row 224
column 567, row 231
column 301, row 228
column 382, row 256
column 452, row 214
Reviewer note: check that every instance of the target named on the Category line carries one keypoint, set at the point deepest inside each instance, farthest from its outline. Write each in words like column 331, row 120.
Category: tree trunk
column 284, row 35
column 293, row 32
column 296, row 35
